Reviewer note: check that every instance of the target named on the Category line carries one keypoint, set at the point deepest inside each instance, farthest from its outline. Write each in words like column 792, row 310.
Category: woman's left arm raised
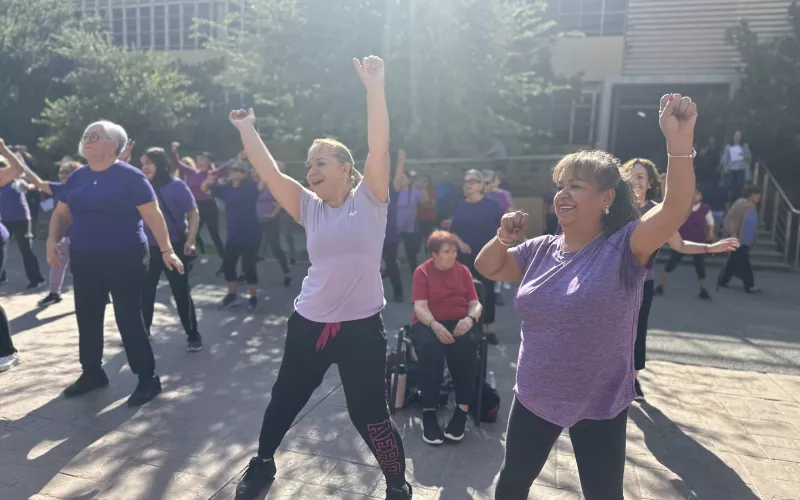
column 677, row 119
column 376, row 171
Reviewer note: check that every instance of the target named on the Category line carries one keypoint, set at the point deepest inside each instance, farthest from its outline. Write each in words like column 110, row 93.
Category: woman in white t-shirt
column 736, row 161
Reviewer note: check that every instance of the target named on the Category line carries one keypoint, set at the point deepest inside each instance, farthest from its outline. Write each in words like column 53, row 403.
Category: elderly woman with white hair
column 103, row 206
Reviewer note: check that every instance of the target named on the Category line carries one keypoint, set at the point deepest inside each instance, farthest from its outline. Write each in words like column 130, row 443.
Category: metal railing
column 778, row 215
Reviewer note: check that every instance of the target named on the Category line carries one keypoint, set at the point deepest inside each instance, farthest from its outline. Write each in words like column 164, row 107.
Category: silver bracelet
column 691, row 156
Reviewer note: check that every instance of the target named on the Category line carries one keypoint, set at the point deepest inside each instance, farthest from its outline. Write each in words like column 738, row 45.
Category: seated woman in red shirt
column 446, row 311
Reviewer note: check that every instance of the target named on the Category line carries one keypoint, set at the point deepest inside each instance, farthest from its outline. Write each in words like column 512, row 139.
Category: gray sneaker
column 229, row 301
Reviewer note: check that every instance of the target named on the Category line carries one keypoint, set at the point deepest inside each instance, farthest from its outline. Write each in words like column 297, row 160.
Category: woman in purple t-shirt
column 104, row 205
column 180, row 212
column 579, row 298
column 337, row 316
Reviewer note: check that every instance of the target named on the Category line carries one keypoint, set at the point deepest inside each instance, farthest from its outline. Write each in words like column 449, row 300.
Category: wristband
column 501, row 239
column 694, row 153
column 169, row 250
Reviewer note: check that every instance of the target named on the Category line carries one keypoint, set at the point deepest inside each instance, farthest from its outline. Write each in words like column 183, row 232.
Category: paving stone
column 771, row 469
column 773, row 428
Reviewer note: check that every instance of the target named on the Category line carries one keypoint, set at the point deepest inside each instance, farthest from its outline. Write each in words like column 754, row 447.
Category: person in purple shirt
column 409, row 198
column 269, row 214
column 195, row 175
column 475, row 222
column 55, row 190
column 180, row 213
column 243, row 232
column 579, row 298
column 16, row 215
column 337, row 315
column 104, row 204
column 9, row 171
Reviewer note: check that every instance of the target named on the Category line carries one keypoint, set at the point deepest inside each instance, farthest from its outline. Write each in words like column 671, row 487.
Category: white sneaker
column 506, row 286
column 9, row 362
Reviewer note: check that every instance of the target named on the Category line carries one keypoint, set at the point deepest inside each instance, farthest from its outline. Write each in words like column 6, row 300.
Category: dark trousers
column 488, row 301
column 411, row 246
column 424, row 229
column 738, row 264
column 359, row 350
column 287, row 229
column 178, row 283
column 21, row 231
column 599, row 450
column 640, row 347
column 249, row 256
column 271, row 236
column 735, row 182
column 123, row 274
column 392, row 270
column 699, row 263
column 3, row 245
column 209, row 216
column 462, row 361
column 6, row 345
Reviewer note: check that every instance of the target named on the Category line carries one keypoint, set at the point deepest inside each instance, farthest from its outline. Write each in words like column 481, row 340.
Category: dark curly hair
column 654, row 191
column 604, row 170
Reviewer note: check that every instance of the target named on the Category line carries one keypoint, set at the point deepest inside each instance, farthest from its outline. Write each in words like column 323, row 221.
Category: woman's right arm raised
column 287, row 191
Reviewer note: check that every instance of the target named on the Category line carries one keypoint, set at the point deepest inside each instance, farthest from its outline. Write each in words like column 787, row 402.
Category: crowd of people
column 584, row 295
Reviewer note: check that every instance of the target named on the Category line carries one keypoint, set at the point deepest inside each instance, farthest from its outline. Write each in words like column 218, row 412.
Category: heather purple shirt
column 265, row 205
column 344, row 247
column 407, row 203
column 178, row 200
column 579, row 314
column 502, row 198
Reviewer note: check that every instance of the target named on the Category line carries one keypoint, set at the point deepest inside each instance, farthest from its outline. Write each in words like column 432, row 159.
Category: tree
column 143, row 91
column 28, row 65
column 458, row 71
column 767, row 105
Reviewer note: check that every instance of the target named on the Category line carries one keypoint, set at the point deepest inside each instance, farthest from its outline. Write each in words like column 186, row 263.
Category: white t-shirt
column 736, row 153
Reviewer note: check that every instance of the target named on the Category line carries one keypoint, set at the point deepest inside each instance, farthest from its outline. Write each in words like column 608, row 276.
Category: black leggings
column 6, row 345
column 640, row 348
column 599, row 450
column 249, row 255
column 3, row 245
column 411, row 246
column 271, row 236
column 392, row 270
column 21, row 231
column 178, row 283
column 699, row 263
column 359, row 350
column 123, row 273
column 738, row 264
column 209, row 216
column 488, row 301
column 462, row 361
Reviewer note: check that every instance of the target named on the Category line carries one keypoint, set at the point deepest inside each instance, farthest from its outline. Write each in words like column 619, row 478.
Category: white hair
column 475, row 173
column 114, row 132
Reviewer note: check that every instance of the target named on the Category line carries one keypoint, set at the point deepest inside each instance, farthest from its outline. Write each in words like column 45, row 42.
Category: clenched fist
column 241, row 118
column 677, row 117
column 513, row 227
column 371, row 71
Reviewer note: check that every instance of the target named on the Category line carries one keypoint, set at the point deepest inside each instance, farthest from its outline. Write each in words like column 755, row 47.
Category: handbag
column 182, row 241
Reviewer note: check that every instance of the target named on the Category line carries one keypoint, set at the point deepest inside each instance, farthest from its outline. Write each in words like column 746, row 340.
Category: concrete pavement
column 705, row 432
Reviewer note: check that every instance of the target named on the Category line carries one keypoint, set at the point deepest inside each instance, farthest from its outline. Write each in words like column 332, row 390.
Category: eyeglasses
column 471, row 181
column 63, row 172
column 92, row 138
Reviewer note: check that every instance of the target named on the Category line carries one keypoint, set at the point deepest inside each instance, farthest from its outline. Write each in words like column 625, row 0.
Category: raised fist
column 513, row 227
column 371, row 71
column 677, row 117
column 241, row 118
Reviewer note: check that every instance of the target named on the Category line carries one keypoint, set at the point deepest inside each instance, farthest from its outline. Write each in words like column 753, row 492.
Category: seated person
column 446, row 313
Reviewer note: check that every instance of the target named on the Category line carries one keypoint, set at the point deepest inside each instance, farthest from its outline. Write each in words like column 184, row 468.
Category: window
column 573, row 121
column 593, row 17
column 159, row 27
column 117, row 25
column 173, row 27
column 145, row 28
column 131, row 27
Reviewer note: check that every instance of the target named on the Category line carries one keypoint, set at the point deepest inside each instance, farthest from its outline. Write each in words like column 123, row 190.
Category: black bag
column 490, row 403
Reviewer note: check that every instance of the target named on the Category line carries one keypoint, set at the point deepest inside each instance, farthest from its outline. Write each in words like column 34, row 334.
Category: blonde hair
column 189, row 161
column 342, row 154
column 69, row 166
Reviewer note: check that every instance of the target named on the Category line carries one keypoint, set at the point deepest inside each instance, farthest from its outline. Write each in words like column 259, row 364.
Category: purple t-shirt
column 476, row 223
column 104, row 207
column 179, row 200
column 3, row 232
column 344, row 247
column 243, row 227
column 13, row 203
column 579, row 314
column 408, row 201
column 502, row 198
column 57, row 188
column 265, row 205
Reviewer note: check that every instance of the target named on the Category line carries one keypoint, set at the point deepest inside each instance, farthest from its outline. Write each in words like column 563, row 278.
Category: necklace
column 559, row 255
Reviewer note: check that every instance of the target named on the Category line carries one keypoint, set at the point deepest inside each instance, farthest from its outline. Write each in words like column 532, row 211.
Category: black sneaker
column 194, row 343
column 704, row 294
column 287, row 281
column 455, row 429
column 52, row 298
column 258, row 475
column 404, row 493
column 431, row 432
column 146, row 390
column 86, row 383
column 492, row 339
column 229, row 300
column 659, row 290
column 33, row 285
column 637, row 387
column 252, row 304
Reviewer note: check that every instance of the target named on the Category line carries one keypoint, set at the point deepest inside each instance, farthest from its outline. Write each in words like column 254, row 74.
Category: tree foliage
column 458, row 71
column 143, row 91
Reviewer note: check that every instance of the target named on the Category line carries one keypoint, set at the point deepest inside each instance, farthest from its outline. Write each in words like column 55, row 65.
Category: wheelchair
column 404, row 360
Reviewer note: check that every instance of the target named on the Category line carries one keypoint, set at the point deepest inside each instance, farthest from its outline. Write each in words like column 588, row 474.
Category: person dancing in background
column 426, row 214
column 579, row 296
column 337, row 316
column 409, row 199
column 243, row 232
column 493, row 191
column 741, row 222
column 104, row 204
column 269, row 211
column 181, row 215
column 55, row 191
column 643, row 178
column 391, row 241
column 8, row 173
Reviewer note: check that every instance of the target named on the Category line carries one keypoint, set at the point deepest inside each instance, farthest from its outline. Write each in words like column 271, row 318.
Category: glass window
column 159, row 27
column 131, row 27
column 204, row 13
column 189, row 42
column 593, row 17
column 144, row 28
